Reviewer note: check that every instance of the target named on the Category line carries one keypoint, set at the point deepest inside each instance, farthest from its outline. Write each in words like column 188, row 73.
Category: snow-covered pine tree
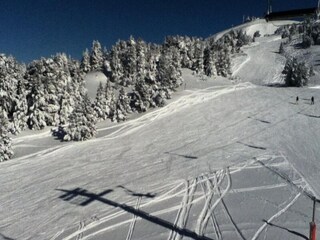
column 116, row 64
column 169, row 71
column 82, row 122
column 129, row 63
column 296, row 74
column 100, row 103
column 12, row 99
column 142, row 96
column 141, row 49
column 37, row 115
column 198, row 57
column 152, row 58
column 85, row 62
column 209, row 62
column 76, row 88
column 6, row 151
column 66, row 107
column 122, row 106
column 110, row 101
column 223, row 63
column 53, row 83
column 19, row 116
column 96, row 58
column 243, row 39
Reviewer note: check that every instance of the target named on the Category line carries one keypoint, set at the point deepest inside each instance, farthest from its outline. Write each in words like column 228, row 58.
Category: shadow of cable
column 286, row 229
column 136, row 194
column 252, row 146
column 71, row 194
column 181, row 155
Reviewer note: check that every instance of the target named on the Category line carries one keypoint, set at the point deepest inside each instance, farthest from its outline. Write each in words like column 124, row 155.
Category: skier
column 297, row 100
column 312, row 100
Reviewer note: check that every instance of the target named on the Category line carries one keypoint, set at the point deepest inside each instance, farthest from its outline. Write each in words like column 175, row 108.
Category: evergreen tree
column 116, row 64
column 223, row 63
column 243, row 39
column 141, row 49
column 110, row 101
column 20, row 110
column 296, row 74
column 100, row 103
column 142, row 96
column 209, row 63
column 198, row 57
column 122, row 106
column 12, row 92
column 96, row 58
column 152, row 59
column 169, row 70
column 55, row 85
column 82, row 122
column 85, row 62
column 5, row 141
column 130, row 63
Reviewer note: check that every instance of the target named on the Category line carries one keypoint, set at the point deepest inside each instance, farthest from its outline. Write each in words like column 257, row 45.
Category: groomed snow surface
column 222, row 160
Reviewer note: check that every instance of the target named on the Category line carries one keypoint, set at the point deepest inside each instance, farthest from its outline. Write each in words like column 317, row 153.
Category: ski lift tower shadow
column 69, row 195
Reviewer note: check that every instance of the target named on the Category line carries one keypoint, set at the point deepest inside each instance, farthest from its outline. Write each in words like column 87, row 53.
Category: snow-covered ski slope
column 261, row 25
column 222, row 160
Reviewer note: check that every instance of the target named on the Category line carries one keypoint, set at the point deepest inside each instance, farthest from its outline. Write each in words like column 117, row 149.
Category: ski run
column 223, row 159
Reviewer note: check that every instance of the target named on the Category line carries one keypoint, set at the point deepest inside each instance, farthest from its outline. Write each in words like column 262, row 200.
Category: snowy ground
column 222, row 160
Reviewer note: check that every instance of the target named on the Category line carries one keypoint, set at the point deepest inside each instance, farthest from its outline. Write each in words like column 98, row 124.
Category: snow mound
column 92, row 80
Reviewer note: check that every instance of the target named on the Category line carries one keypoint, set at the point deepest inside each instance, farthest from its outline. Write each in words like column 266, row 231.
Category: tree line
column 51, row 91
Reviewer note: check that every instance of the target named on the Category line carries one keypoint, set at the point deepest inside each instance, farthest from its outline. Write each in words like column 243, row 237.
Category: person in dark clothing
column 297, row 100
column 312, row 100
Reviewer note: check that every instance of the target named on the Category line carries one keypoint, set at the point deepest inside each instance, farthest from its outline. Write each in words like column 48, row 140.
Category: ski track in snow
column 210, row 184
column 205, row 211
column 133, row 222
column 123, row 129
column 194, row 98
column 278, row 214
column 183, row 213
column 80, row 230
column 238, row 231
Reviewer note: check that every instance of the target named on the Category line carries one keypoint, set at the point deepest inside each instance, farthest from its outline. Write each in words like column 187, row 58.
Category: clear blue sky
column 30, row 29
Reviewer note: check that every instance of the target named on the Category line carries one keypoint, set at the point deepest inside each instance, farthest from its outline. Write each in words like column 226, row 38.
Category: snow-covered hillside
column 261, row 25
column 222, row 160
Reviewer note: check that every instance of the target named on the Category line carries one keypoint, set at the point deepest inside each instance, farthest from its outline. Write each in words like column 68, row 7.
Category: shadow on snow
column 136, row 194
column 68, row 195
column 181, row 155
column 284, row 228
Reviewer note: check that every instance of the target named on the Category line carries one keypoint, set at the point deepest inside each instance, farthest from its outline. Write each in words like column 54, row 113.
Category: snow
column 261, row 25
column 92, row 80
column 258, row 69
column 224, row 159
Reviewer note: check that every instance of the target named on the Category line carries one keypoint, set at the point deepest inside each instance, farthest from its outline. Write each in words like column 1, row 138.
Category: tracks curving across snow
column 194, row 98
column 133, row 222
column 183, row 212
column 214, row 190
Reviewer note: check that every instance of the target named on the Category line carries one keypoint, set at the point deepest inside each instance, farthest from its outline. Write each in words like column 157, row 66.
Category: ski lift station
column 300, row 13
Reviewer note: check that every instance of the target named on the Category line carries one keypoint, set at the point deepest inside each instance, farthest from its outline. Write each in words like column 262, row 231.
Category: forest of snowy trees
column 304, row 35
column 51, row 91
